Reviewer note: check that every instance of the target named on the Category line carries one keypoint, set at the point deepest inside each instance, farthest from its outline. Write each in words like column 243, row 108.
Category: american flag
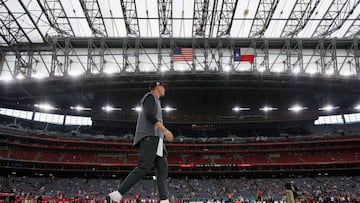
column 183, row 54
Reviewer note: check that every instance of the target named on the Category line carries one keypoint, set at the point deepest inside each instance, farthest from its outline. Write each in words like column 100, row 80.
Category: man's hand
column 168, row 135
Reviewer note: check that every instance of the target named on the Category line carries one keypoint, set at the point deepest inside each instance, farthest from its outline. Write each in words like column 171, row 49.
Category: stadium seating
column 284, row 158
column 49, row 156
column 226, row 160
column 132, row 159
column 197, row 160
column 4, row 153
column 22, row 154
column 316, row 158
column 345, row 156
column 175, row 160
column 110, row 159
column 204, row 156
column 78, row 157
column 255, row 159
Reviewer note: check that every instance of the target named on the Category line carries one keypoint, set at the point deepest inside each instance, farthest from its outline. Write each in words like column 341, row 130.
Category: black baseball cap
column 157, row 83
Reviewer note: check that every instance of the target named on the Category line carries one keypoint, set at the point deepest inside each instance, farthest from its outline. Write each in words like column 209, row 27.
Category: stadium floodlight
column 109, row 70
column 164, row 68
column 147, row 69
column 237, row 109
column 227, row 68
column 6, row 78
column 347, row 73
column 312, row 71
column 297, row 108
column 138, row 108
column 267, row 108
column 168, row 109
column 45, row 106
column 20, row 76
column 75, row 73
column 296, row 68
column 182, row 69
column 261, row 68
column 277, row 70
column 357, row 107
column 109, row 108
column 39, row 75
column 329, row 71
column 328, row 108
column 80, row 108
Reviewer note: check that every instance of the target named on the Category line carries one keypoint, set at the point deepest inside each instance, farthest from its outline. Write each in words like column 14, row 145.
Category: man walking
column 149, row 136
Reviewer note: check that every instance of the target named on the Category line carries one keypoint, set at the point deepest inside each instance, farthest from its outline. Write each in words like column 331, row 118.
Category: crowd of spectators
column 222, row 189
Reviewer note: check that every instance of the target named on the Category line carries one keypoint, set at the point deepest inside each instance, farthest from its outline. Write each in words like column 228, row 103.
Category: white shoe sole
column 115, row 196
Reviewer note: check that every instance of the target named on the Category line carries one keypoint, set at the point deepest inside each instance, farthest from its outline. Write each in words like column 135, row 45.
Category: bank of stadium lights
column 20, row 76
column 237, row 109
column 267, row 109
column 277, row 70
column 227, row 68
column 357, row 107
column 80, row 108
column 137, row 108
column 168, row 109
column 109, row 71
column 261, row 68
column 329, row 72
column 109, row 108
column 6, row 78
column 312, row 71
column 296, row 69
column 75, row 73
column 39, row 75
column 328, row 108
column 347, row 73
column 45, row 106
column 163, row 68
column 297, row 108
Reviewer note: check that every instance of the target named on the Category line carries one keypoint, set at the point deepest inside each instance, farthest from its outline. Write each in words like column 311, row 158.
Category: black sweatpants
column 148, row 157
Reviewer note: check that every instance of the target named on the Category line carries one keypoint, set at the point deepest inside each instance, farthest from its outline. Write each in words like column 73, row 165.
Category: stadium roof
column 42, row 35
column 33, row 21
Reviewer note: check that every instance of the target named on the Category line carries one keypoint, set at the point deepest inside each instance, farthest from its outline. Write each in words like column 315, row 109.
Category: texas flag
column 243, row 55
